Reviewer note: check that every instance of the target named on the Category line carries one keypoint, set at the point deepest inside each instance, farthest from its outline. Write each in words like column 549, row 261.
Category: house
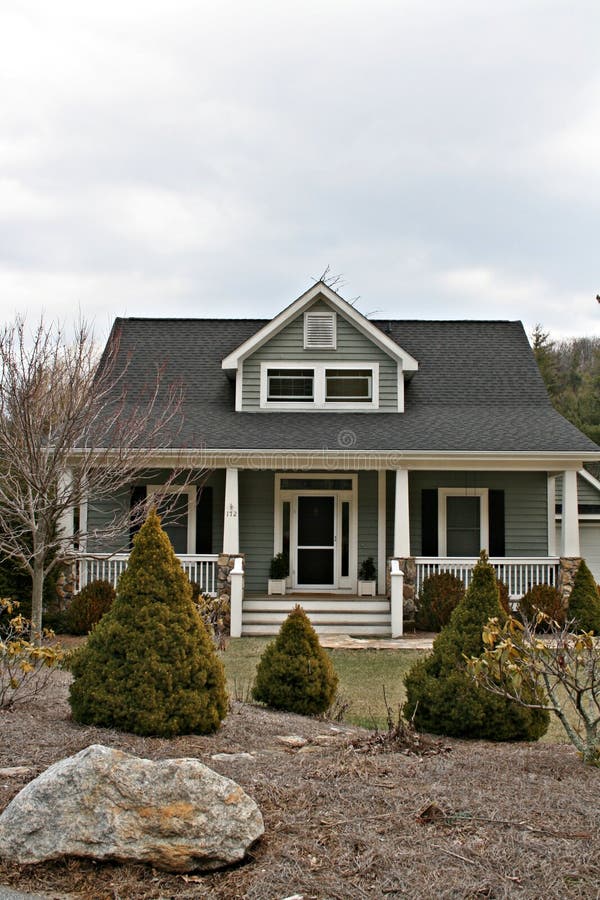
column 332, row 438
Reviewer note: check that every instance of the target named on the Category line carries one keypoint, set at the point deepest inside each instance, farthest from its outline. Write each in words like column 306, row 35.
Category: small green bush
column 584, row 602
column 443, row 698
column 542, row 598
column 88, row 606
column 367, row 570
column 279, row 567
column 295, row 673
column 149, row 665
column 440, row 595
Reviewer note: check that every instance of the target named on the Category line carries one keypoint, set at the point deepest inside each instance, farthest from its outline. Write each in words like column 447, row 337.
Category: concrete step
column 349, row 607
column 320, row 616
column 362, row 630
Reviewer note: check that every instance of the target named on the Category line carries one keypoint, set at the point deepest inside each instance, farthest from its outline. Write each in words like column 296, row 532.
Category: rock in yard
column 295, row 741
column 176, row 814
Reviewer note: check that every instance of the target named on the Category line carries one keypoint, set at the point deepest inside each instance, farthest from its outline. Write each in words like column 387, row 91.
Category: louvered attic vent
column 319, row 331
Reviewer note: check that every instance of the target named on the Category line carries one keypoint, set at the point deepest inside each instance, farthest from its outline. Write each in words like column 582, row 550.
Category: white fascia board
column 409, row 363
column 268, row 458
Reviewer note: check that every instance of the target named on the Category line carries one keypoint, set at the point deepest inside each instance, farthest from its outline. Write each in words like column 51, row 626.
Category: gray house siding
column 256, row 500
column 352, row 346
column 525, row 506
column 367, row 517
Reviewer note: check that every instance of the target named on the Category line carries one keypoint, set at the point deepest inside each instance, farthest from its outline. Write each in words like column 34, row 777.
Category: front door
column 316, row 556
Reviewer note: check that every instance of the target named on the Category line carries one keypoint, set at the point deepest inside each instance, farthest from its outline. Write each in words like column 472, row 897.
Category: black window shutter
column 496, row 511
column 429, row 522
column 137, row 496
column 204, row 520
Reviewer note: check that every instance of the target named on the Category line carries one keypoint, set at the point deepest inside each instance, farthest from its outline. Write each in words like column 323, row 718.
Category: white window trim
column 190, row 490
column 319, row 402
column 318, row 314
column 484, row 527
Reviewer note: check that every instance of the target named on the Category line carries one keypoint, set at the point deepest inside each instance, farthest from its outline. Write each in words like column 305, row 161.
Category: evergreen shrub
column 88, row 606
column 295, row 673
column 542, row 598
column 149, row 665
column 584, row 602
column 439, row 596
column 442, row 697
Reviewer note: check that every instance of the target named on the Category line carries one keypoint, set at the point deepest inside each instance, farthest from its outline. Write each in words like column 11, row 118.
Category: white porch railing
column 518, row 573
column 201, row 569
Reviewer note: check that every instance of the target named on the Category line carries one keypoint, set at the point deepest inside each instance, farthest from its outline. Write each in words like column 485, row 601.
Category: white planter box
column 276, row 586
column 367, row 588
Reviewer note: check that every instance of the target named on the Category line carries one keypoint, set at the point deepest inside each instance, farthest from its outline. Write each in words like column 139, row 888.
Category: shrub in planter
column 149, row 666
column 584, row 602
column 279, row 567
column 442, row 697
column 295, row 673
column 88, row 606
column 367, row 570
column 440, row 595
column 542, row 598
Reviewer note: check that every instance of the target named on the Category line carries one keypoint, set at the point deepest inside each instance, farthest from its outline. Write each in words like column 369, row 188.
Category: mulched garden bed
column 347, row 815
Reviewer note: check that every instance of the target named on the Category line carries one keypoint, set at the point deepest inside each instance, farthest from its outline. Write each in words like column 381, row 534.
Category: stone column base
column 225, row 564
column 568, row 569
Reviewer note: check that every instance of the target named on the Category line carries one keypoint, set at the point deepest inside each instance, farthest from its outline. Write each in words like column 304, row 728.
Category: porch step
column 349, row 615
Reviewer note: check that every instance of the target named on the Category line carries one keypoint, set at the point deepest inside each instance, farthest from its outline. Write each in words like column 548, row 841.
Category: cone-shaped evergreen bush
column 295, row 673
column 149, row 665
column 584, row 602
column 442, row 696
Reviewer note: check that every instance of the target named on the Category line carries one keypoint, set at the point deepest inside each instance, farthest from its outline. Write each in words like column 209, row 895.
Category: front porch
column 410, row 522
column 332, row 612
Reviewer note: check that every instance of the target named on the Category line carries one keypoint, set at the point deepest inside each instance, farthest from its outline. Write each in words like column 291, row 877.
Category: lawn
column 363, row 674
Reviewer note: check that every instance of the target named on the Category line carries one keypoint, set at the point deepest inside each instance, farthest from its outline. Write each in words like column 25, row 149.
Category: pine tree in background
column 295, row 673
column 441, row 696
column 149, row 666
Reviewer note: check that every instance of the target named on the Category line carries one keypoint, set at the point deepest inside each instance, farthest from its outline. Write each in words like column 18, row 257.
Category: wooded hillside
column 571, row 370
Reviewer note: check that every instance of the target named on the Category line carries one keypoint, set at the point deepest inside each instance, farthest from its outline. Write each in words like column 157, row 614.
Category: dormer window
column 290, row 385
column 319, row 331
column 319, row 385
column 348, row 385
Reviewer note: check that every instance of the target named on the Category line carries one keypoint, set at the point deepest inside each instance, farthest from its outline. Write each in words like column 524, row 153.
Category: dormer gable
column 320, row 354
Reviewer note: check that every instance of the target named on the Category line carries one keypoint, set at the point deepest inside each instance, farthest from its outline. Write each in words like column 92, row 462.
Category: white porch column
column 66, row 523
column 381, row 531
column 231, row 526
column 570, row 517
column 551, row 515
column 401, row 519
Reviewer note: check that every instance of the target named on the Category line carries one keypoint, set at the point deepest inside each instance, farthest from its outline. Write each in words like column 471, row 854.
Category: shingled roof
column 478, row 389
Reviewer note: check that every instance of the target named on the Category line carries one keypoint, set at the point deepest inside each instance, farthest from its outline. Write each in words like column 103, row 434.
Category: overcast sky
column 208, row 158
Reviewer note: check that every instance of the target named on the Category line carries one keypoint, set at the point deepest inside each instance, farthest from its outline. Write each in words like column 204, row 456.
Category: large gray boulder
column 175, row 814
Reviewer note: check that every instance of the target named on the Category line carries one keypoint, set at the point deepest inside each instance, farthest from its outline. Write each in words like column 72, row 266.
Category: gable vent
column 319, row 331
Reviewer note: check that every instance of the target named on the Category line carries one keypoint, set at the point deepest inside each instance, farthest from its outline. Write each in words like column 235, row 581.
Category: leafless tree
column 558, row 670
column 70, row 429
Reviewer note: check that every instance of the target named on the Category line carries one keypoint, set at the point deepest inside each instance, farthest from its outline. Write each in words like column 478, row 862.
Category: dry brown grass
column 347, row 818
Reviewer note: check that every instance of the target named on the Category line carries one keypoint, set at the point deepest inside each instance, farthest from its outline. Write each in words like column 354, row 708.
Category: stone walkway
column 421, row 641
